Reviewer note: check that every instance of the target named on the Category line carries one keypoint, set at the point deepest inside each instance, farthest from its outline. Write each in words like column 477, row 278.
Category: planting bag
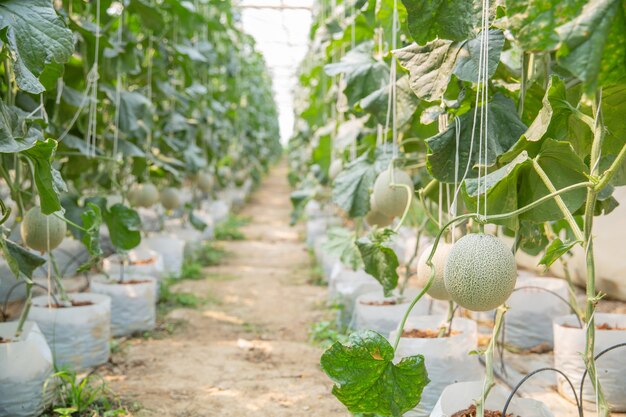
column 69, row 255
column 77, row 336
column 447, row 358
column 7, row 282
column 26, row 365
column 171, row 249
column 569, row 344
column 345, row 286
column 370, row 312
column 219, row 209
column 141, row 261
column 459, row 396
column 133, row 306
column 529, row 321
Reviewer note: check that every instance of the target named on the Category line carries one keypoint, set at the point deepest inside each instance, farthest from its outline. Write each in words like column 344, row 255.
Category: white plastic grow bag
column 569, row 344
column 346, row 285
column 77, row 336
column 371, row 314
column 447, row 358
column 70, row 254
column 171, row 249
column 141, row 261
column 26, row 366
column 219, row 210
column 326, row 260
column 459, row 396
column 133, row 306
column 529, row 321
column 8, row 283
column 151, row 220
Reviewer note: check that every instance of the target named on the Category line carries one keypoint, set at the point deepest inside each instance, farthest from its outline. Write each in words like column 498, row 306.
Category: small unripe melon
column 170, row 199
column 35, row 227
column 205, row 182
column 438, row 288
column 148, row 195
column 391, row 201
column 375, row 217
column 335, row 168
column 480, row 272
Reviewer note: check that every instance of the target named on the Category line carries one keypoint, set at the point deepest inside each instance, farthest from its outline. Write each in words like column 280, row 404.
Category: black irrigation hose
column 607, row 350
column 579, row 404
column 5, row 306
column 535, row 287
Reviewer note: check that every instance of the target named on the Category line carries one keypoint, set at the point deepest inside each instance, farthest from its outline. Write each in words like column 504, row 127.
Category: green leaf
column 19, row 259
column 430, row 66
column 342, row 243
column 380, row 261
column 377, row 103
column 16, row 134
column 351, row 189
column 36, row 37
column 443, row 19
column 48, row 180
column 367, row 380
column 504, row 130
column 594, row 44
column 197, row 222
column 91, row 220
column 555, row 250
column 468, row 58
column 123, row 224
column 362, row 73
column 613, row 110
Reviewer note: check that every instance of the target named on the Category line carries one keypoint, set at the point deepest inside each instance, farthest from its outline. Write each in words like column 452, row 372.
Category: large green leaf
column 533, row 23
column 367, row 380
column 124, row 224
column 36, row 37
column 613, row 111
column 379, row 260
column 443, row 19
column 92, row 220
column 362, row 73
column 594, row 43
column 341, row 243
column 430, row 66
column 48, row 180
column 468, row 58
column 16, row 134
column 19, row 259
column 377, row 103
column 504, row 130
column 351, row 189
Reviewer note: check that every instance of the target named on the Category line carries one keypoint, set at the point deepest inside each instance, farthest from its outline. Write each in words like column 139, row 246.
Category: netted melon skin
column 391, row 201
column 148, row 195
column 170, row 199
column 376, row 218
column 438, row 288
column 480, row 272
column 34, row 230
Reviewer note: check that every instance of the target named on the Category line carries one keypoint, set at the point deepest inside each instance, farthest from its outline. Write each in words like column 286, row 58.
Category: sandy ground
column 246, row 352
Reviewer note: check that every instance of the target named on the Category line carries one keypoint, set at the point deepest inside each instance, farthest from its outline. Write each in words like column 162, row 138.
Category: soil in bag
column 426, row 333
column 134, row 282
column 603, row 326
column 74, row 304
column 471, row 412
column 380, row 303
column 3, row 340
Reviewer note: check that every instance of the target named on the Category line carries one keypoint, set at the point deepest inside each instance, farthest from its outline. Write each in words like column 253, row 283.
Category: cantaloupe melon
column 335, row 168
column 391, row 201
column 148, row 195
column 40, row 232
column 438, row 288
column 205, row 182
column 375, row 217
column 480, row 272
column 170, row 199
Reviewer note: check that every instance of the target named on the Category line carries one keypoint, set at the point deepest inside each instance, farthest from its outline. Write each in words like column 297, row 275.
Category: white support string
column 118, row 89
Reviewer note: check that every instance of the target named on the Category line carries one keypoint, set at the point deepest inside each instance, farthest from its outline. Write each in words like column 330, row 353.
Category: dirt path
column 246, row 352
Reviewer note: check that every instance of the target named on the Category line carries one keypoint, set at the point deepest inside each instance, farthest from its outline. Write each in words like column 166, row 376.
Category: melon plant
column 147, row 195
column 391, row 200
column 170, row 198
column 480, row 272
column 437, row 288
column 41, row 232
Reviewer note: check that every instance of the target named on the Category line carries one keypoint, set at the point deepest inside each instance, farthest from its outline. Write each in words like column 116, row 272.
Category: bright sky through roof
column 281, row 29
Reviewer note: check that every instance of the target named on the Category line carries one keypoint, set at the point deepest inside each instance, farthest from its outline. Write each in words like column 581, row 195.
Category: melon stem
column 489, row 353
